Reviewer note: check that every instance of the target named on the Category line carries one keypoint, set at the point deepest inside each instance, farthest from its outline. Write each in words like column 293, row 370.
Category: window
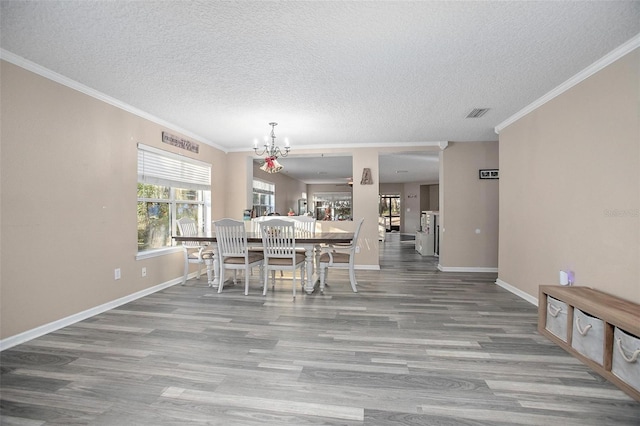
column 264, row 198
column 333, row 206
column 390, row 211
column 170, row 187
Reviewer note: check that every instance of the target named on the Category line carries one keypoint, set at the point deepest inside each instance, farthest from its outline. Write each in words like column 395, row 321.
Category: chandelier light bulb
column 271, row 151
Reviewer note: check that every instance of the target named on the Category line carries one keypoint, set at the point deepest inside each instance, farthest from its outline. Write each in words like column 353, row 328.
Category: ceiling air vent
column 477, row 112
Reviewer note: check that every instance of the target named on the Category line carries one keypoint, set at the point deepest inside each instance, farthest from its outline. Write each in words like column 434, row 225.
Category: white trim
column 517, row 292
column 58, row 78
column 12, row 341
column 608, row 59
column 65, row 81
column 465, row 269
column 359, row 145
column 148, row 254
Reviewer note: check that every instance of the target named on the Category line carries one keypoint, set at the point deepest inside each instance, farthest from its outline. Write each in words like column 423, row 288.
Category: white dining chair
column 256, row 223
column 342, row 256
column 194, row 252
column 279, row 245
column 305, row 225
column 234, row 253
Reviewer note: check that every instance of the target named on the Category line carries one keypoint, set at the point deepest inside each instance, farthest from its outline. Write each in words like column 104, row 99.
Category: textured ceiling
column 332, row 74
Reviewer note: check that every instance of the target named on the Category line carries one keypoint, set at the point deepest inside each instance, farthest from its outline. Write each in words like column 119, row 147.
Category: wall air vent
column 477, row 112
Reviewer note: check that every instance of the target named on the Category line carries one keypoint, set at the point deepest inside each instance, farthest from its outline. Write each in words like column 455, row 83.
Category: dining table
column 308, row 242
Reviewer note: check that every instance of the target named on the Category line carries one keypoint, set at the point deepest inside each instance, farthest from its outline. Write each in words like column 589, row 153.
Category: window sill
column 148, row 254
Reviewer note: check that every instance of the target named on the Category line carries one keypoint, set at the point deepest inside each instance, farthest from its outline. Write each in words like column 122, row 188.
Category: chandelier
column 271, row 152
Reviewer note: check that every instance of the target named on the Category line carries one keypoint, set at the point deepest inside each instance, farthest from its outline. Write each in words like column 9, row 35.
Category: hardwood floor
column 415, row 346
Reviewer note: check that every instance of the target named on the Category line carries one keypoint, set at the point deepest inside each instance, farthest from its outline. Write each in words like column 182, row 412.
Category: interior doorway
column 389, row 208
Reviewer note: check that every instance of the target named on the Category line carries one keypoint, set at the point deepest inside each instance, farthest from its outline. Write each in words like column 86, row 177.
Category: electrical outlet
column 116, row 274
column 144, row 272
column 357, row 249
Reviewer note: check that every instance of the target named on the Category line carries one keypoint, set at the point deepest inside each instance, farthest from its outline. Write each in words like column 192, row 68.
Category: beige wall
column 68, row 176
column 238, row 188
column 430, row 197
column 411, row 208
column 468, row 207
column 365, row 205
column 434, row 197
column 570, row 187
column 68, row 180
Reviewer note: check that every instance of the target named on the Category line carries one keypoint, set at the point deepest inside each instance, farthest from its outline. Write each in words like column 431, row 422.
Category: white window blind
column 158, row 167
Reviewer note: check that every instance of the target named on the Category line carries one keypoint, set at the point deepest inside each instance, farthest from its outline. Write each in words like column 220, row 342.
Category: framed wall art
column 489, row 174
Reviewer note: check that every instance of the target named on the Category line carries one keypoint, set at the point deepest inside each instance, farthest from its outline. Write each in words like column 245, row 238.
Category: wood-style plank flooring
column 415, row 346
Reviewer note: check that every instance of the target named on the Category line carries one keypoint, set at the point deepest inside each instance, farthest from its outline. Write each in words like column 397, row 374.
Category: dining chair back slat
column 233, row 251
column 194, row 251
column 188, row 227
column 279, row 245
column 256, row 224
column 340, row 256
column 305, row 225
column 278, row 237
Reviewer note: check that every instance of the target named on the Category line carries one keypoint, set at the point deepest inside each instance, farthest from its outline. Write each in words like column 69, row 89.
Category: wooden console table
column 612, row 311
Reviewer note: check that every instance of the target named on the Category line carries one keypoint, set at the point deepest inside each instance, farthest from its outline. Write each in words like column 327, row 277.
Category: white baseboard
column 466, row 269
column 517, row 292
column 25, row 336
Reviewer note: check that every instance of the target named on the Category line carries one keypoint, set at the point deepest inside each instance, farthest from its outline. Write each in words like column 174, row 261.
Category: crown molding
column 72, row 84
column 439, row 144
column 603, row 62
